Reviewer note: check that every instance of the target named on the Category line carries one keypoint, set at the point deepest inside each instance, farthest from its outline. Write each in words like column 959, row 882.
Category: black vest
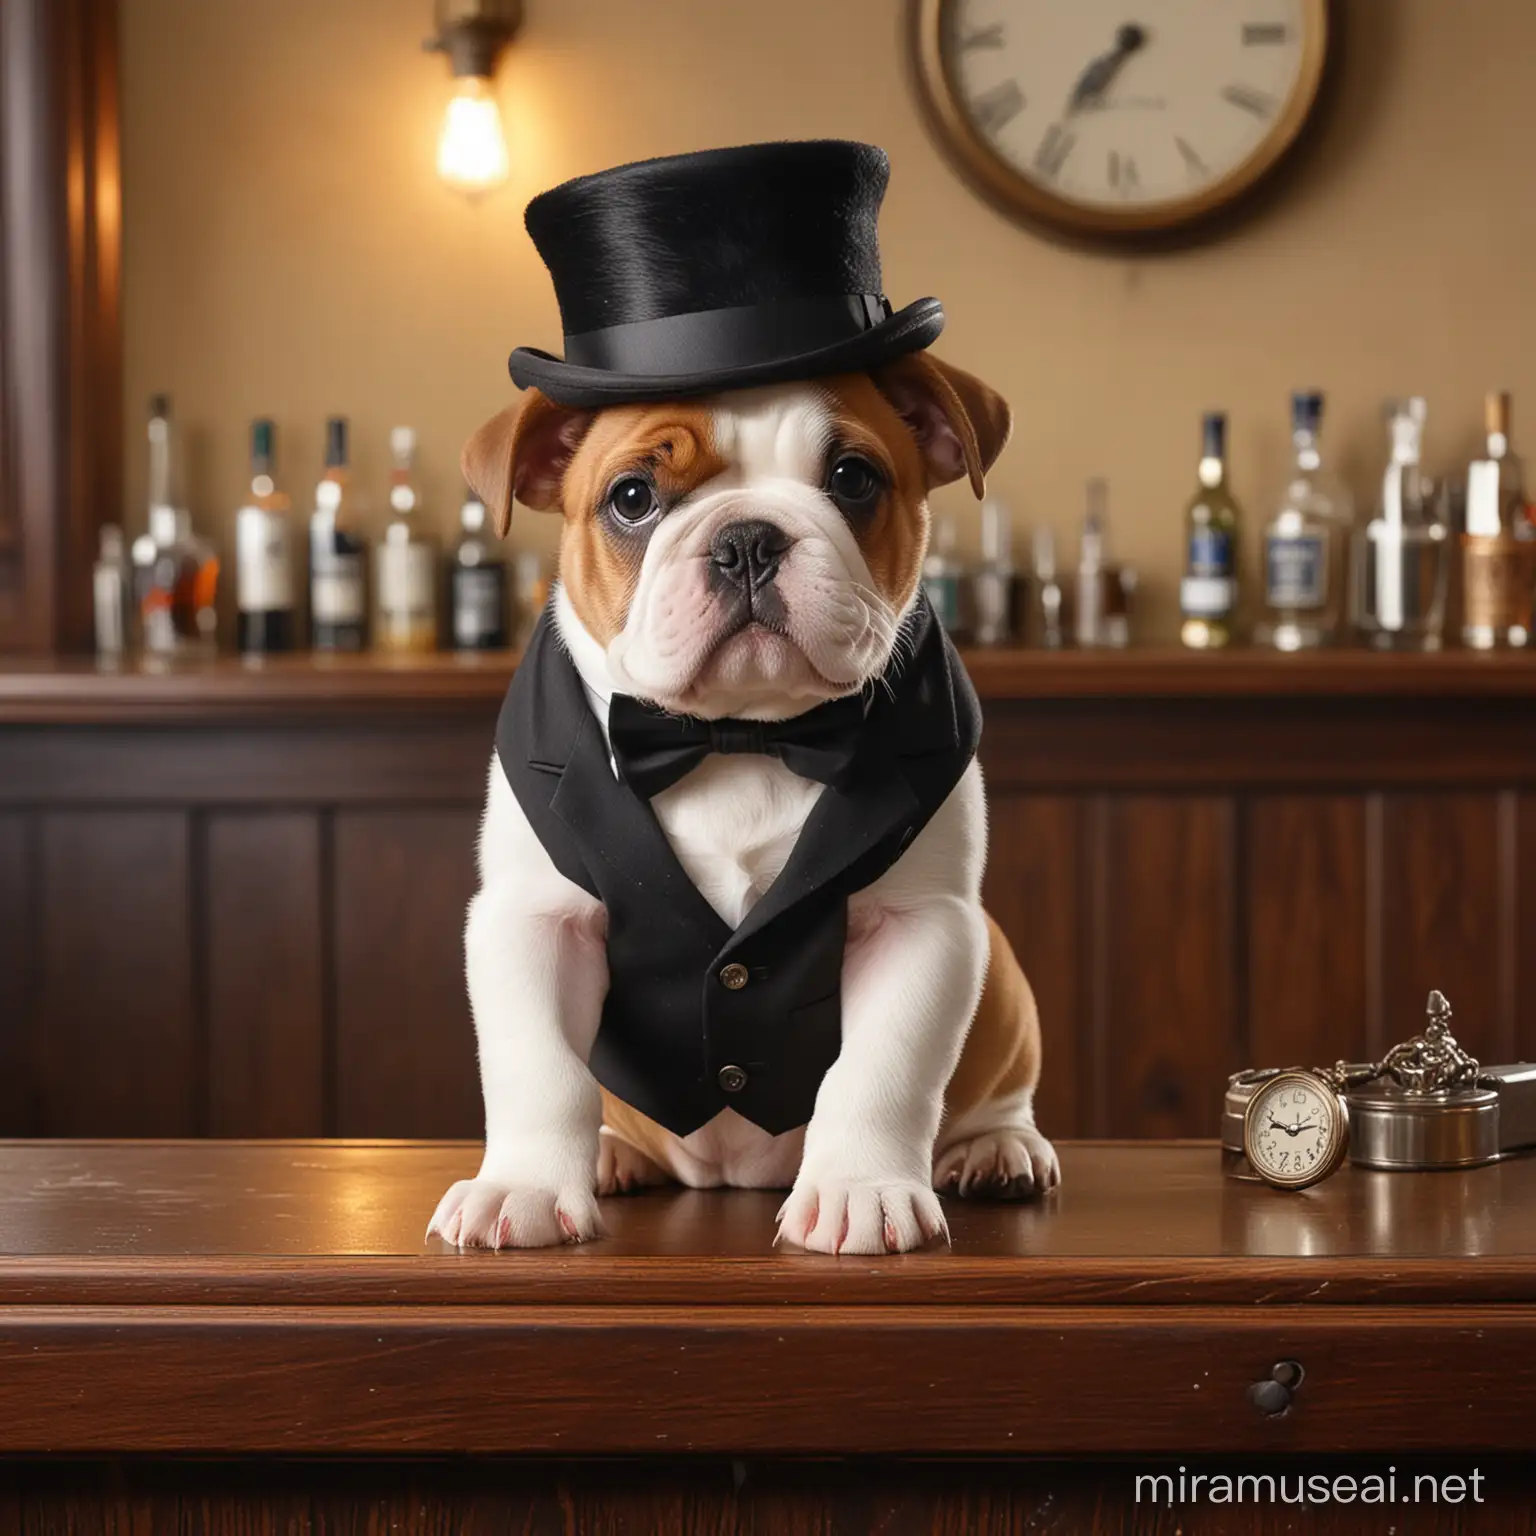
column 699, row 1018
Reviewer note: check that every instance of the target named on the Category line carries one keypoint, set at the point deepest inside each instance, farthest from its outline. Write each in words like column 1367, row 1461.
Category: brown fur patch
column 893, row 540
column 1002, row 1051
column 674, row 444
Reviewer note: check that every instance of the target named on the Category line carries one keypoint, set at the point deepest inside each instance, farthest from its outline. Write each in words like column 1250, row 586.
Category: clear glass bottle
column 994, row 581
column 477, row 595
column 944, row 581
column 266, row 620
column 177, row 579
column 1048, row 622
column 1102, row 611
column 111, row 588
column 1306, row 543
column 1398, row 567
column 407, row 560
column 338, row 581
column 1498, row 555
column 534, row 583
column 1208, row 593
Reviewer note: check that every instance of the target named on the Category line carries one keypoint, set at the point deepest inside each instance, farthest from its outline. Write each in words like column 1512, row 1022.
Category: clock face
column 1121, row 115
column 1294, row 1130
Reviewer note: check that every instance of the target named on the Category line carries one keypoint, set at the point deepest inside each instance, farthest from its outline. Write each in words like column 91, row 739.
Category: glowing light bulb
column 472, row 150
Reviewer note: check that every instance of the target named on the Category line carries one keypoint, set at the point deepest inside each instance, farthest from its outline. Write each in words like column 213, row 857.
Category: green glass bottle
column 1208, row 592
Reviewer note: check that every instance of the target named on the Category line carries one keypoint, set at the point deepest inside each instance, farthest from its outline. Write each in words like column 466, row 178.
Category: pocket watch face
column 1296, row 1130
column 1114, row 115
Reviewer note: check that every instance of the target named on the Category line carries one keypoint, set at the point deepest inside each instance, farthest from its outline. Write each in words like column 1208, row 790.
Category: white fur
column 862, row 1170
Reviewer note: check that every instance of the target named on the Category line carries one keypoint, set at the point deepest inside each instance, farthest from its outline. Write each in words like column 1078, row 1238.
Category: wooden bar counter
column 164, row 1301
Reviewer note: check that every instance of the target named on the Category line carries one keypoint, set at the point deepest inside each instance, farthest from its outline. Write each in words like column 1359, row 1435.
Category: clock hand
column 1099, row 74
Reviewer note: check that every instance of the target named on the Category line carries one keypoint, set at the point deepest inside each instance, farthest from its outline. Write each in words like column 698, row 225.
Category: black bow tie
column 654, row 749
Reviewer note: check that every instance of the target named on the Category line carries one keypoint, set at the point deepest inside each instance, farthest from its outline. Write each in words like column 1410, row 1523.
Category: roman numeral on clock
column 984, row 37
column 1053, row 151
column 1260, row 103
column 1197, row 166
column 1123, row 175
column 1260, row 32
column 993, row 110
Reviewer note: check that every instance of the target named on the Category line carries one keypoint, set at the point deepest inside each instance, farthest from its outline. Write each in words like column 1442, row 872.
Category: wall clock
column 1118, row 118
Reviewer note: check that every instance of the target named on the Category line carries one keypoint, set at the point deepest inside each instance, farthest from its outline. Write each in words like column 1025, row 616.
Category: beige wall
column 289, row 250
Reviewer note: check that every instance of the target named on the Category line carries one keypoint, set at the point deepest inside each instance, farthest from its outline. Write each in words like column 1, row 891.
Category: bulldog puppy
column 811, row 499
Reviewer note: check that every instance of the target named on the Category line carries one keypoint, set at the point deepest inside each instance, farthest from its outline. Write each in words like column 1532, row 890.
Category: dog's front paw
column 482, row 1213
column 860, row 1216
column 1014, row 1163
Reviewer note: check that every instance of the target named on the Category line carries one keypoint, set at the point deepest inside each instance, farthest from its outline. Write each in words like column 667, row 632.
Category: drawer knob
column 1272, row 1396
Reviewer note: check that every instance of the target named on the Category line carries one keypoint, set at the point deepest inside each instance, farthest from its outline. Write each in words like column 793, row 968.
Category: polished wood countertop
column 232, row 1298
column 81, row 690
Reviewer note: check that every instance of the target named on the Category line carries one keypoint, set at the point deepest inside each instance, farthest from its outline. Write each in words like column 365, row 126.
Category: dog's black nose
column 747, row 554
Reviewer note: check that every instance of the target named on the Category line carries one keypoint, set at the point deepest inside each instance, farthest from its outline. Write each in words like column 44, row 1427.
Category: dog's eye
column 633, row 500
column 854, row 483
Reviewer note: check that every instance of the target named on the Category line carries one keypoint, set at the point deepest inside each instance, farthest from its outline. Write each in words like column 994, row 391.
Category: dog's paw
column 1014, row 1163
column 482, row 1213
column 833, row 1216
column 622, row 1169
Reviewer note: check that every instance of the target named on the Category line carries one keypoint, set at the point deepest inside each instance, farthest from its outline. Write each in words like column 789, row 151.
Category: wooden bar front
column 232, row 898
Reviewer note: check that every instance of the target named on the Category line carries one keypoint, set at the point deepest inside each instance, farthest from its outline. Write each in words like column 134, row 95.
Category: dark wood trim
column 80, row 691
column 60, row 344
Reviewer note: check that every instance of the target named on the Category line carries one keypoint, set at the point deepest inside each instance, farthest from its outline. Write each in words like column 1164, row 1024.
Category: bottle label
column 1207, row 597
column 1296, row 570
column 336, row 588
column 479, row 605
column 1210, row 552
column 1496, row 582
column 263, row 562
column 407, row 581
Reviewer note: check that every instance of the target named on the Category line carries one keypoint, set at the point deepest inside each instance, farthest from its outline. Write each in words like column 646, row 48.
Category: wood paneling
column 265, row 974
column 1165, row 962
column 1307, row 953
column 60, row 364
column 115, row 1036
column 1441, row 920
column 405, row 1048
column 15, row 975
column 1034, row 864
column 1524, row 928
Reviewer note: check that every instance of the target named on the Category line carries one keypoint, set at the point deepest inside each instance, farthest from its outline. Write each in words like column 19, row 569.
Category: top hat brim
column 908, row 330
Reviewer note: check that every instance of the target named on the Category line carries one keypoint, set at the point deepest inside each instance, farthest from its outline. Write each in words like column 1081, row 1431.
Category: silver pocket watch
column 1425, row 1104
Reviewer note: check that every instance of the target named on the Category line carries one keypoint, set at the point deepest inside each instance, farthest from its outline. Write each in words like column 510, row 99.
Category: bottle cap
column 263, row 444
column 1213, row 434
column 402, row 444
column 472, row 515
column 1307, row 410
column 336, row 442
column 996, row 533
column 160, row 406
column 111, row 542
column 1496, row 413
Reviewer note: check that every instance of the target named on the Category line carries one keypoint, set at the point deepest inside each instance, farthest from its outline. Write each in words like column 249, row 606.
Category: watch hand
column 1100, row 73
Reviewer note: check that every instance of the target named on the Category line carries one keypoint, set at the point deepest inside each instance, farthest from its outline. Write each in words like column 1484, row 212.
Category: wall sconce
column 472, row 148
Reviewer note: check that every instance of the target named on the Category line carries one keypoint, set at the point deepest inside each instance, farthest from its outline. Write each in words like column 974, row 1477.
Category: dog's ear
column 960, row 423
column 521, row 454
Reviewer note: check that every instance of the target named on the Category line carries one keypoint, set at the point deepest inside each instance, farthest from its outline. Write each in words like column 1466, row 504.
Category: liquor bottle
column 264, row 555
column 177, row 573
column 1102, row 612
column 1398, row 568
column 533, row 588
column 995, row 581
column 1048, row 620
column 1306, row 543
column 477, row 585
column 338, row 582
column 1498, row 555
column 111, row 589
column 407, row 561
column 944, row 582
column 1208, row 592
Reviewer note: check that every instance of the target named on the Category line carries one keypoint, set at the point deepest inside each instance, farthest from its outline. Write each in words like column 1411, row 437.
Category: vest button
column 733, row 976
column 732, row 1079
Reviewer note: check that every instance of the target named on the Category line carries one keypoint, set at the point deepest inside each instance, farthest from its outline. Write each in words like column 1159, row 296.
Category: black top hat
column 718, row 270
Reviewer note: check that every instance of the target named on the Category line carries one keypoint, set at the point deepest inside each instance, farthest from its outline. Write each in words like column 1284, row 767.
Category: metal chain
column 1429, row 1063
